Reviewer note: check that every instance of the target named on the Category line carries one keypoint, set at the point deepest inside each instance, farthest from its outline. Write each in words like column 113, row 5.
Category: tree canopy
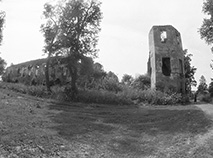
column 211, row 88
column 2, row 61
column 202, row 87
column 206, row 29
column 2, row 66
column 189, row 71
column 127, row 79
column 2, row 18
column 71, row 29
column 73, row 25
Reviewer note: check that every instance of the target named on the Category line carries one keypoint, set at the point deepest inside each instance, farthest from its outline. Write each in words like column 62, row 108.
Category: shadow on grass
column 130, row 130
column 78, row 119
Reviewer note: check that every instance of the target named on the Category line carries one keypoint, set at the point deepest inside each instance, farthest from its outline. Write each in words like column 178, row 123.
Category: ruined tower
column 166, row 59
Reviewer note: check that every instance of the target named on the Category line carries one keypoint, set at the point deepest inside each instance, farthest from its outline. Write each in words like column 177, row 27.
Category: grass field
column 34, row 127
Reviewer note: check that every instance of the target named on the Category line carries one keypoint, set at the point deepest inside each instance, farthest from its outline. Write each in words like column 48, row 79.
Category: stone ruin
column 33, row 72
column 166, row 59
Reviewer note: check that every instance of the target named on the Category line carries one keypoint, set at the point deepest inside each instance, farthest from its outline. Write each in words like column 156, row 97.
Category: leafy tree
column 98, row 72
column 211, row 88
column 71, row 30
column 127, row 79
column 2, row 18
column 111, row 82
column 97, row 76
column 2, row 66
column 189, row 72
column 111, row 75
column 203, row 87
column 206, row 30
column 2, row 61
column 50, row 31
column 142, row 82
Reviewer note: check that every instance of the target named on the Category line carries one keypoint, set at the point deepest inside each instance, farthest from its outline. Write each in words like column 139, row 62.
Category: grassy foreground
column 34, row 127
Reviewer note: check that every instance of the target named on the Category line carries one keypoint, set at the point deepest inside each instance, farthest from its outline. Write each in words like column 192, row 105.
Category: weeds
column 126, row 96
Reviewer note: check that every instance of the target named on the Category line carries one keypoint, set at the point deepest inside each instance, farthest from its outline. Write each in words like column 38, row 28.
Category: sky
column 123, row 40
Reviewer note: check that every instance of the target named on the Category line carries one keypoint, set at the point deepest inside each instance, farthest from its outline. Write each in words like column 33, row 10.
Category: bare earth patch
column 35, row 127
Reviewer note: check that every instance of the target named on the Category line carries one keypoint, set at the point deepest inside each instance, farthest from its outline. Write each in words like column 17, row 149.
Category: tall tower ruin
column 166, row 59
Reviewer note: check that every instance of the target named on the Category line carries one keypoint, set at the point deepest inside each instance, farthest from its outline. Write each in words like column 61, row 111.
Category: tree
column 2, row 61
column 211, row 88
column 189, row 72
column 50, row 31
column 2, row 66
column 91, row 75
column 127, row 79
column 142, row 82
column 206, row 30
column 72, row 26
column 203, row 87
column 111, row 82
column 2, row 18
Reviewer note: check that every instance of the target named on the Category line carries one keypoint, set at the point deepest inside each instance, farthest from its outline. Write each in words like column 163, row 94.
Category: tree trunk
column 47, row 74
column 74, row 89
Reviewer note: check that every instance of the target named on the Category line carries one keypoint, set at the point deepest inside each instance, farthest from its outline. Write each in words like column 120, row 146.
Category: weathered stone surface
column 166, row 59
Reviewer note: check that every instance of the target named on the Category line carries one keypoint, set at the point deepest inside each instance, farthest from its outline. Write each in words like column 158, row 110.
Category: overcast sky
column 123, row 41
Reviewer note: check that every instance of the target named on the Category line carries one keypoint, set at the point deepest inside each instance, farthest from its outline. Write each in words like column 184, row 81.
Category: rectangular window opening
column 166, row 66
column 163, row 36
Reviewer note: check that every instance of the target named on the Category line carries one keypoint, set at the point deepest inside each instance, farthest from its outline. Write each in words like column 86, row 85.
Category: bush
column 126, row 96
column 160, row 98
column 151, row 96
column 142, row 82
column 206, row 98
column 39, row 91
column 102, row 97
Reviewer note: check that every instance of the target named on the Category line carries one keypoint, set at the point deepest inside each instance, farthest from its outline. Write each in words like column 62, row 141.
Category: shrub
column 126, row 96
column 206, row 98
column 39, row 91
column 102, row 97
column 142, row 82
column 110, row 84
column 151, row 96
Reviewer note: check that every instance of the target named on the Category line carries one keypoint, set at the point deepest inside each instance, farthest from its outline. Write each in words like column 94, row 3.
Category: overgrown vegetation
column 126, row 96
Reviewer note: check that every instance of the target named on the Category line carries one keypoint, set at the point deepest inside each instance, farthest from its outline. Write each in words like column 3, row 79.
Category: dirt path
column 204, row 141
column 207, row 108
